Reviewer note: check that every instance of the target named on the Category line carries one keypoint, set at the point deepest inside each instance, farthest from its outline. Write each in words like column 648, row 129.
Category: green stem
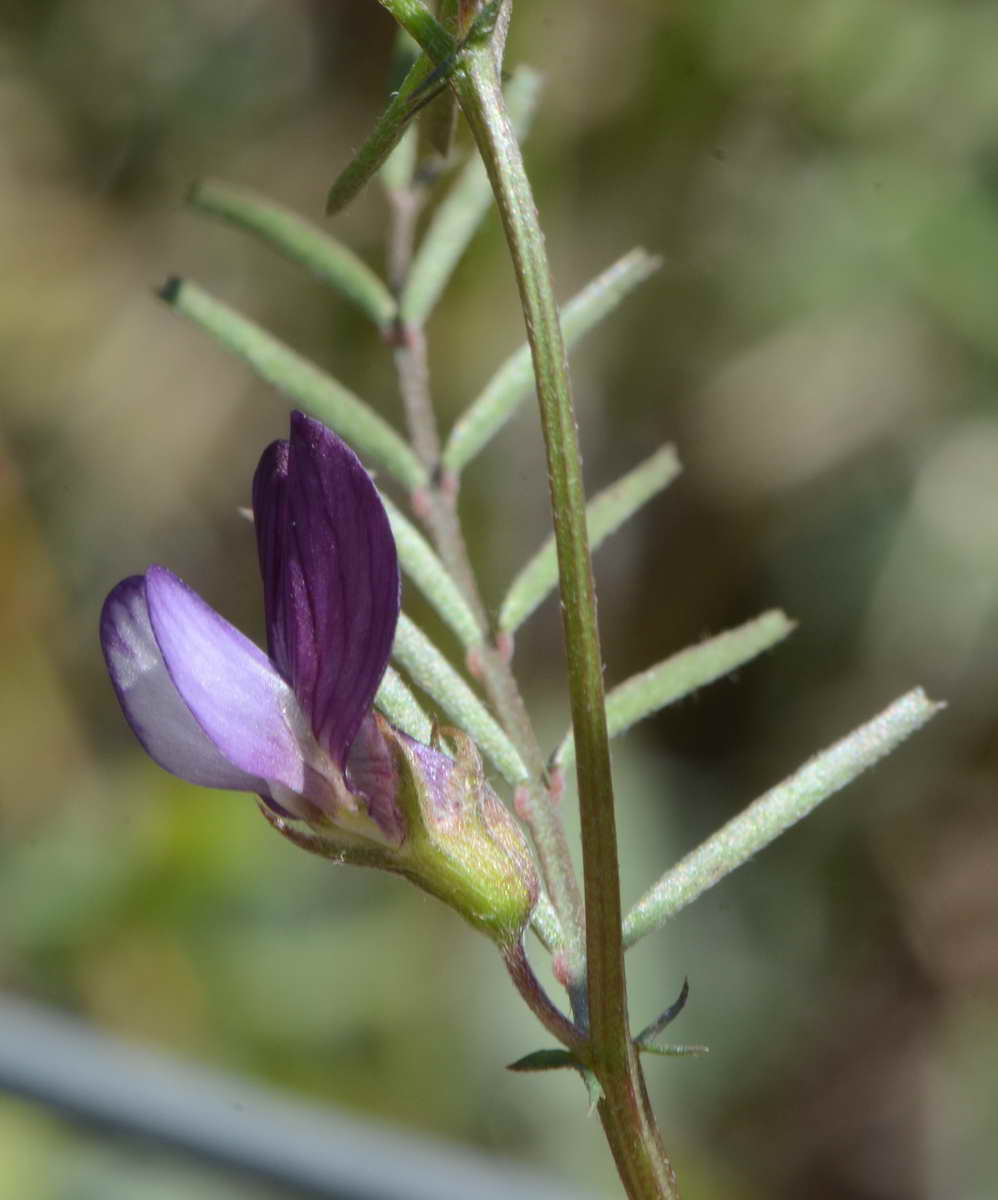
column 627, row 1119
column 629, row 1125
column 626, row 1114
column 481, row 99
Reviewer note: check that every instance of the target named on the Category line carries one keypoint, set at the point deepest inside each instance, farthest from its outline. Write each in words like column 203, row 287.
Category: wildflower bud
column 462, row 844
column 296, row 725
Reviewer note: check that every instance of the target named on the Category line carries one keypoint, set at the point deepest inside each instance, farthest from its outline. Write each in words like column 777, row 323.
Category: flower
column 297, row 726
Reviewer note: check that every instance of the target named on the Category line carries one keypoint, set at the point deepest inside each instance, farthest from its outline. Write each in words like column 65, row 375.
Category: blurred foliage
column 822, row 347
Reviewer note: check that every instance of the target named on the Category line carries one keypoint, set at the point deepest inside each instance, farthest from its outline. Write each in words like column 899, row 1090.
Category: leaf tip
column 170, row 290
column 781, row 623
column 918, row 698
column 650, row 263
column 546, row 1060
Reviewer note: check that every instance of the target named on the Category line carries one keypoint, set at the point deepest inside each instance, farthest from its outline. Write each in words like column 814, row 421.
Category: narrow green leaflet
column 438, row 121
column 299, row 240
column 650, row 1034
column 604, row 514
column 383, row 139
column 667, row 1050
column 682, row 673
column 439, row 49
column 460, row 213
column 514, row 380
column 423, row 27
column 401, row 707
column 557, row 1059
column 554, row 1059
column 428, row 668
column 420, row 562
column 397, row 170
column 776, row 810
column 368, row 433
column 428, row 73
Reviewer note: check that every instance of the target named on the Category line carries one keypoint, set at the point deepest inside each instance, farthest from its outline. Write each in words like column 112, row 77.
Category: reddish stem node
column 504, row 646
column 473, row 661
column 522, row 804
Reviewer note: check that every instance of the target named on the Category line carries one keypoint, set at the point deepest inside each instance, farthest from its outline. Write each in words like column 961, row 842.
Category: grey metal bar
column 318, row 1152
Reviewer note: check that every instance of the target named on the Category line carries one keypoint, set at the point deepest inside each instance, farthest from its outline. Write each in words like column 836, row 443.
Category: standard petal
column 151, row 703
column 230, row 686
column 340, row 584
column 270, row 519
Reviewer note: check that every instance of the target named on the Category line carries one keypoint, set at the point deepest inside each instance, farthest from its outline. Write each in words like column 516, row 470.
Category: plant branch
column 624, row 1110
column 437, row 502
column 413, row 372
column 481, row 99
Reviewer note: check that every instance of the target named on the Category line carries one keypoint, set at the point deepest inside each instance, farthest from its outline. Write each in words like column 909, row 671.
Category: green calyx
column 460, row 842
column 463, row 845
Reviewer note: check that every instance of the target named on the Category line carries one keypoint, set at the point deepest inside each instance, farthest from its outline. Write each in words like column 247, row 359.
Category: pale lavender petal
column 228, row 683
column 332, row 580
column 150, row 701
column 437, row 772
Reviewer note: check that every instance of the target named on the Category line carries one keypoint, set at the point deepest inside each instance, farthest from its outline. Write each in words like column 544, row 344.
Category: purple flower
column 297, row 727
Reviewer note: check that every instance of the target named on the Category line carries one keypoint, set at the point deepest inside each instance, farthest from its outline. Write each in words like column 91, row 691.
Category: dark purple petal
column 270, row 518
column 229, row 685
column 371, row 772
column 151, row 703
column 331, row 579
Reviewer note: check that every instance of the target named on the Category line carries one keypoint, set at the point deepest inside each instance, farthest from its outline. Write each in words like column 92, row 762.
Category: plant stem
column 629, row 1125
column 406, row 205
column 538, row 1001
column 413, row 371
column 625, row 1112
column 440, row 510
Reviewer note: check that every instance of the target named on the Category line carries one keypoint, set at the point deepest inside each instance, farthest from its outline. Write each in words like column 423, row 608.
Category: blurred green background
column 821, row 177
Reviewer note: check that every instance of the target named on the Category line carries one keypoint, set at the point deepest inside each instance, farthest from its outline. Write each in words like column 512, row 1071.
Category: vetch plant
column 299, row 728
column 345, row 760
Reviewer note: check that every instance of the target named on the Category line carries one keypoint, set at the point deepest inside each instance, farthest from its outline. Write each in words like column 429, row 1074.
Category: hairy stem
column 414, row 382
column 626, row 1114
column 406, row 205
column 629, row 1125
column 538, row 1001
column 440, row 510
